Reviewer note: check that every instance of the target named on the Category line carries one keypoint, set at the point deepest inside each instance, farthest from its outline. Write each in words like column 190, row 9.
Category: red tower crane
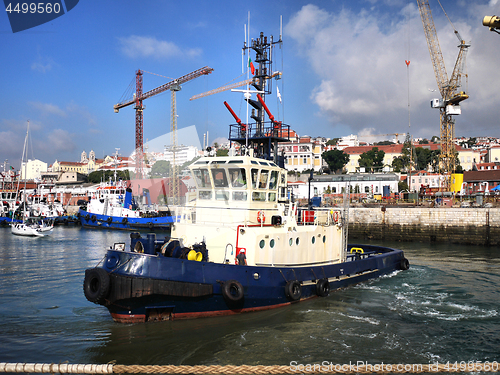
column 139, row 108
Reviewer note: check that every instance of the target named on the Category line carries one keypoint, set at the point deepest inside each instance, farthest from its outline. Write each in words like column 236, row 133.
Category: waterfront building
column 32, row 169
column 303, row 154
column 364, row 183
column 466, row 156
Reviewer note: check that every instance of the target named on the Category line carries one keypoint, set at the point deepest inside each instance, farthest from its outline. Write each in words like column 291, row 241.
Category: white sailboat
column 30, row 227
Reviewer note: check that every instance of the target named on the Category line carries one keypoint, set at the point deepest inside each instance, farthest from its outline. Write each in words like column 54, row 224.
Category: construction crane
column 139, row 97
column 222, row 88
column 276, row 75
column 450, row 96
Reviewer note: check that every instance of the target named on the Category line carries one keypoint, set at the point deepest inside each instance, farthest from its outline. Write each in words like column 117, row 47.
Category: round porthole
column 290, row 242
column 313, row 240
column 297, row 241
column 271, row 243
column 262, row 243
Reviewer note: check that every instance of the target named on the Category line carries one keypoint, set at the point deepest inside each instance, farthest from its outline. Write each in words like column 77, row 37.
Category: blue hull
column 4, row 220
column 89, row 220
column 143, row 287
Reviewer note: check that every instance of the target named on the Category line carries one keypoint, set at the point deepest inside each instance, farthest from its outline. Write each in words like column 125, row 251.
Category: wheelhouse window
column 254, row 173
column 273, row 181
column 219, row 176
column 259, row 196
column 238, row 178
column 264, row 176
column 202, row 178
column 239, row 195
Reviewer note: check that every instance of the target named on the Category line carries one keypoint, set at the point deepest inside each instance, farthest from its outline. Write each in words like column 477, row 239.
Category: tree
column 333, row 142
column 336, row 159
column 423, row 158
column 384, row 143
column 222, row 152
column 372, row 160
column 160, row 169
column 98, row 176
column 402, row 163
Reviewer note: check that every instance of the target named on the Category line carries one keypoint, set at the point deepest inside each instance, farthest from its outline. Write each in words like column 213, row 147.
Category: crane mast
column 449, row 104
column 139, row 108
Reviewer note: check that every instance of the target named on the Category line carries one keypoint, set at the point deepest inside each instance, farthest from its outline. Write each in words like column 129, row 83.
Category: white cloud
column 59, row 141
column 141, row 46
column 359, row 60
column 48, row 108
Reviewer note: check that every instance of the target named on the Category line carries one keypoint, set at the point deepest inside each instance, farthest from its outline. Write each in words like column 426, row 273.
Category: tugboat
column 112, row 206
column 241, row 244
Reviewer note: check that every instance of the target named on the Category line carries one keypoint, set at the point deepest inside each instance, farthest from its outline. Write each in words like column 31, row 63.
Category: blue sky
column 342, row 62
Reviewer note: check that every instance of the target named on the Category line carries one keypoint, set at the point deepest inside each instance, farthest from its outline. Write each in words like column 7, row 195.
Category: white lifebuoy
column 261, row 217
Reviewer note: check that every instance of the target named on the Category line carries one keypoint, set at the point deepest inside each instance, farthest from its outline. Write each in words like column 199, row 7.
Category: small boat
column 241, row 243
column 112, row 206
column 30, row 226
column 33, row 227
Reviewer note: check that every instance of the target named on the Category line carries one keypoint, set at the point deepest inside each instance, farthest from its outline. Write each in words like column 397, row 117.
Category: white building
column 33, row 169
column 183, row 154
column 372, row 183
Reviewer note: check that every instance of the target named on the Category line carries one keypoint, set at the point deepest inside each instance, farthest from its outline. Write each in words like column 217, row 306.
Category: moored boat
column 241, row 243
column 112, row 206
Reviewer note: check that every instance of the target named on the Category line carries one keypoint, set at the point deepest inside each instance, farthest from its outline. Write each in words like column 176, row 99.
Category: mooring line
column 247, row 369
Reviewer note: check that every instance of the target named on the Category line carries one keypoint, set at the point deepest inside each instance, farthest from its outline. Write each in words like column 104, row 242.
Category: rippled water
column 444, row 308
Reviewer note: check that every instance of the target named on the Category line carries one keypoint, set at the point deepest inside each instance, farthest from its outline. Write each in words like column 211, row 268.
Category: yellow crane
column 450, row 96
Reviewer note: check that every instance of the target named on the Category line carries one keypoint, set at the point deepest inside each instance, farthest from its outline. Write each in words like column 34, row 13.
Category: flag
column 250, row 65
column 11, row 167
column 278, row 93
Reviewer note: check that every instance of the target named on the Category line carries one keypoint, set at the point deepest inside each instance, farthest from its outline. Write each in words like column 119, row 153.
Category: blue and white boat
column 112, row 206
column 241, row 244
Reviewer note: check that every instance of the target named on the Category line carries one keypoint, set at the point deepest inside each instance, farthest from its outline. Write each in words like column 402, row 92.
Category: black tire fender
column 87, row 217
column 232, row 291
column 96, row 285
column 93, row 218
column 405, row 264
column 124, row 221
column 322, row 288
column 293, row 290
column 109, row 220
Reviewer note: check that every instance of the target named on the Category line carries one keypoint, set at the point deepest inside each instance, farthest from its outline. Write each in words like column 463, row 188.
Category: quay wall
column 471, row 226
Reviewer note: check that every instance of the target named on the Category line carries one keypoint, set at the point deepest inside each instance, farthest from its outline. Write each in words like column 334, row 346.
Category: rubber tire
column 232, row 291
column 109, row 220
column 405, row 264
column 323, row 288
column 93, row 218
column 293, row 290
column 124, row 221
column 96, row 285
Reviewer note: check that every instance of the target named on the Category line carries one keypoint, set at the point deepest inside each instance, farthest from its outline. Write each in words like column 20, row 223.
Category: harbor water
column 446, row 307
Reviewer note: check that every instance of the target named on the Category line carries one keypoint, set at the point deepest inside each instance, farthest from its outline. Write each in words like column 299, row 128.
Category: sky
column 342, row 62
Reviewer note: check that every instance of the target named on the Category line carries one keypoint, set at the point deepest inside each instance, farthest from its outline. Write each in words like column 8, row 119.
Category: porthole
column 290, row 242
column 313, row 240
column 271, row 243
column 324, row 239
column 297, row 241
column 262, row 243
